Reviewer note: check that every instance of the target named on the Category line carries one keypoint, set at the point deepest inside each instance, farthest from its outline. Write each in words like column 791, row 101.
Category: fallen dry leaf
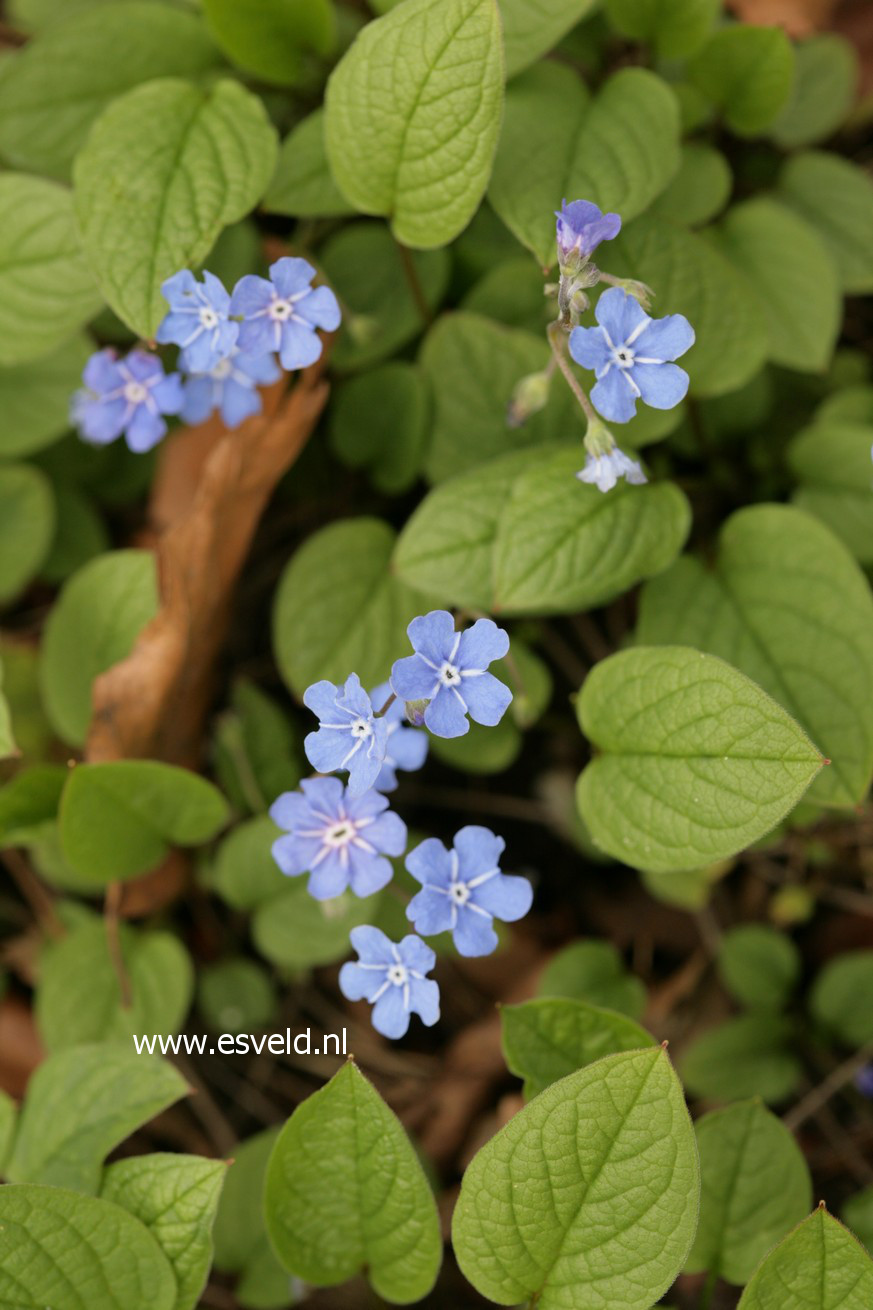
column 799, row 18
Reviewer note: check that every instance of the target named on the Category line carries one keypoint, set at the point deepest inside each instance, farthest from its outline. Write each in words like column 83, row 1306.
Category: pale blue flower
column 349, row 738
column 392, row 978
column 449, row 669
column 629, row 352
column 605, row 470
column 463, row 890
column 339, row 839
column 230, row 387
column 282, row 315
column 198, row 320
column 128, row 396
column 406, row 747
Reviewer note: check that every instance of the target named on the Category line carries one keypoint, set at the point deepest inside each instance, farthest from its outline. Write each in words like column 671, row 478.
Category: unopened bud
column 415, row 712
column 529, row 397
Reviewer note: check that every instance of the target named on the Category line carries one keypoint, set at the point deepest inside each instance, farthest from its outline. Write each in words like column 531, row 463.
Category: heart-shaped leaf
column 820, row 1266
column 546, row 1039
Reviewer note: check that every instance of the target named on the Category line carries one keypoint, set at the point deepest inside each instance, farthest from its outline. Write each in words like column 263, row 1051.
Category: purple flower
column 231, row 387
column 629, row 351
column 463, row 890
column 339, row 839
column 126, row 396
column 406, row 747
column 449, row 670
column 282, row 314
column 392, row 978
column 348, row 737
column 198, row 320
column 582, row 227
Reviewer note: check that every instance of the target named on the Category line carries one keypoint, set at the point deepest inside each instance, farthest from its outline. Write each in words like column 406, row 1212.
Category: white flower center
column 398, row 975
column 339, row 834
column 208, row 317
column 222, row 370
column 623, row 356
column 361, row 729
column 135, row 393
column 449, row 675
column 280, row 310
column 459, row 892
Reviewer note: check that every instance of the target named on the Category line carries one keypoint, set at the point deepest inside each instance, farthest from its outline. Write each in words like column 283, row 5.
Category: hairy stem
column 555, row 334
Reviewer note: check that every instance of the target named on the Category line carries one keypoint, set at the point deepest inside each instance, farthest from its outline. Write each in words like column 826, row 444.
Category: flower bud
column 529, row 397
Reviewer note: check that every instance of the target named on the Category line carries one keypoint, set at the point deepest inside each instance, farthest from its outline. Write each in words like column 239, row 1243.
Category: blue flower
column 463, row 890
column 406, row 747
column 198, row 320
column 127, row 396
column 392, row 978
column 231, row 387
column 282, row 314
column 449, row 670
column 348, row 736
column 629, row 353
column 339, row 839
column 582, row 227
column 864, row 1081
column 605, row 470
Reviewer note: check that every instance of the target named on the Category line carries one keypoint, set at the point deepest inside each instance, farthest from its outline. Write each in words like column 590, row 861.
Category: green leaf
column 619, row 150
column 835, row 197
column 748, row 72
column 700, row 189
column 80, row 535
column 759, row 966
column 27, row 525
column 28, row 799
column 241, row 1243
column 601, row 1164
column 56, row 1248
column 523, row 536
column 675, row 28
column 695, row 762
column 167, row 201
column 80, row 1105
column 245, row 873
column 339, row 608
column 562, row 546
column 695, row 279
column 842, row 997
column 824, row 89
column 783, row 583
column 303, row 184
column 258, row 756
column 8, row 1121
column 236, row 996
column 294, row 931
column 175, row 1197
column 744, row 1057
column 35, row 398
column 594, row 972
column 413, row 114
column 795, row 279
column 94, row 623
column 754, row 1187
column 346, row 1194
column 531, row 28
column 60, row 82
column 690, row 889
column 119, row 819
column 546, row 1039
column 78, row 998
column 819, row 1266
column 381, row 421
column 380, row 312
column 268, row 37
column 473, row 366
column 41, row 263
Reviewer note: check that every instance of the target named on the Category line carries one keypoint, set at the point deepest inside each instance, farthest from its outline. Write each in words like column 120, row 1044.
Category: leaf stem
column 111, row 915
column 410, row 272
column 708, row 1290
column 835, row 1081
column 555, row 334
column 386, row 707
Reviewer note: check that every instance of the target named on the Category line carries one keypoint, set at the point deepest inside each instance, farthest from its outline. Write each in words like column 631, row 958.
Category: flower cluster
column 342, row 836
column 631, row 354
column 228, row 345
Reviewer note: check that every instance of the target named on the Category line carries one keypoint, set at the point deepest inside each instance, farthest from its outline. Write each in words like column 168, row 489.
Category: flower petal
column 479, row 850
column 198, row 401
column 416, row 954
column 662, row 385
column 144, row 430
column 430, row 912
column 321, row 698
column 325, row 795
column 321, row 308
column 372, row 946
column 390, row 1016
column 588, row 347
column 294, row 855
column 259, row 336
column 413, row 679
column 358, row 984
column 424, row 1000
column 329, row 879
column 363, row 769
column 433, row 635
column 299, row 346
column 239, row 402
column 620, row 314
column 290, row 275
column 474, row 933
column 430, row 863
column 507, row 897
column 251, row 295
column 368, row 873
column 326, row 749
column 407, row 749
column 481, row 644
column 446, row 716
column 487, row 698
column 169, row 394
column 665, row 338
column 388, row 833
column 613, row 398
